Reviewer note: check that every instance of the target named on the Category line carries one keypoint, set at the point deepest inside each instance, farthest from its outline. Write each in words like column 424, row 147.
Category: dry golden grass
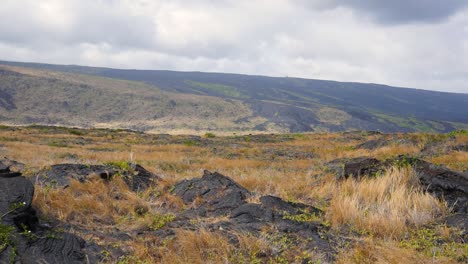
column 104, row 203
column 89, row 203
column 371, row 251
column 457, row 160
column 196, row 247
column 379, row 212
column 395, row 150
column 385, row 206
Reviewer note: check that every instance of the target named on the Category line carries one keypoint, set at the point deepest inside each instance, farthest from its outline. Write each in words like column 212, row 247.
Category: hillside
column 87, row 96
column 31, row 96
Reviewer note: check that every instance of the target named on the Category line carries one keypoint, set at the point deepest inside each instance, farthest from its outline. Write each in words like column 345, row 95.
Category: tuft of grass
column 371, row 251
column 196, row 247
column 387, row 206
column 88, row 203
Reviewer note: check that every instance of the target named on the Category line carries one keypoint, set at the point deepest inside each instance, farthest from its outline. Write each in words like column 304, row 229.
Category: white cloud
column 277, row 37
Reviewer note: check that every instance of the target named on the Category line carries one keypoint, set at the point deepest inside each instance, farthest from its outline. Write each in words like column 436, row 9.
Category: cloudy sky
column 410, row 43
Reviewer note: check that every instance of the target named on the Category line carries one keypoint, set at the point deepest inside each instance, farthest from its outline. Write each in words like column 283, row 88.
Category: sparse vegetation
column 388, row 218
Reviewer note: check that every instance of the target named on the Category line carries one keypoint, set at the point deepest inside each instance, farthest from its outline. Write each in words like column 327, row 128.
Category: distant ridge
column 168, row 101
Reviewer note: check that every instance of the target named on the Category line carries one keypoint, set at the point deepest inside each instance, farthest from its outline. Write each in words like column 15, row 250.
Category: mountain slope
column 266, row 103
column 42, row 97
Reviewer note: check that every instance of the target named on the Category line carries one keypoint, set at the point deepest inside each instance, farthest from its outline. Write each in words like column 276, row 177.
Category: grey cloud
column 396, row 11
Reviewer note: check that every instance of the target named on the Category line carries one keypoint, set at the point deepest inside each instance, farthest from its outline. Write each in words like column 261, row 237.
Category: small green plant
column 75, row 132
column 405, row 161
column 427, row 241
column 123, row 165
column 171, row 189
column 190, row 143
column 130, row 260
column 210, row 135
column 13, row 207
column 160, row 220
column 302, row 217
column 105, row 255
column 5, row 235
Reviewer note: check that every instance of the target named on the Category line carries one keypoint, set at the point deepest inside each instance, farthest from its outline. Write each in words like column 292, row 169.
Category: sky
column 409, row 43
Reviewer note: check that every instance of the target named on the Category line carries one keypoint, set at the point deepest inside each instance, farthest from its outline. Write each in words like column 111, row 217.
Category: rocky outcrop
column 16, row 194
column 446, row 184
column 211, row 195
column 10, row 165
column 139, row 178
column 136, row 177
column 288, row 216
column 215, row 195
column 355, row 167
column 24, row 240
column 59, row 175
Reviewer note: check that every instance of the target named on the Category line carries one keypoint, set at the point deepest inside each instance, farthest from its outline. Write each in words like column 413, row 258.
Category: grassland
column 290, row 166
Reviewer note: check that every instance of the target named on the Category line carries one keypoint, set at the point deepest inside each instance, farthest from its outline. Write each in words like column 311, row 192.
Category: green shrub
column 160, row 220
column 190, row 143
column 460, row 132
column 124, row 165
column 210, row 135
column 75, row 132
column 58, row 144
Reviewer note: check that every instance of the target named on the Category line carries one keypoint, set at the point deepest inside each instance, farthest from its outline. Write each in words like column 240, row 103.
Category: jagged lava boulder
column 274, row 210
column 355, row 167
column 446, row 184
column 59, row 175
column 25, row 241
column 211, row 195
column 16, row 194
column 215, row 195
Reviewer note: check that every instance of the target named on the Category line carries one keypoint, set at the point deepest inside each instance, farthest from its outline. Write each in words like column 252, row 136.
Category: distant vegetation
column 220, row 89
column 196, row 102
